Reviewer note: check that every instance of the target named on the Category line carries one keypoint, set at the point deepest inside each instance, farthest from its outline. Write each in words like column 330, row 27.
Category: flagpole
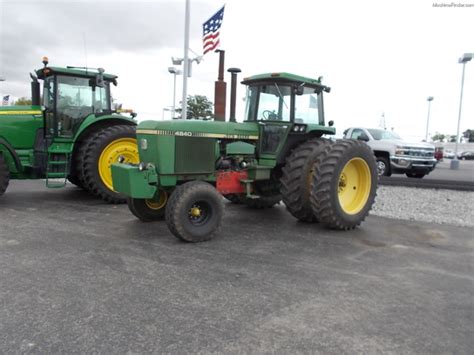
column 186, row 61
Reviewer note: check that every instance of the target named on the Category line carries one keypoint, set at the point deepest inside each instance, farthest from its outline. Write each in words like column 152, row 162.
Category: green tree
column 199, row 108
column 23, row 101
column 438, row 137
column 452, row 139
column 469, row 135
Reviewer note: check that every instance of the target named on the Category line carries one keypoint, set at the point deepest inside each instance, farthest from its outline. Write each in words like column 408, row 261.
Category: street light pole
column 175, row 72
column 463, row 60
column 185, row 61
column 429, row 99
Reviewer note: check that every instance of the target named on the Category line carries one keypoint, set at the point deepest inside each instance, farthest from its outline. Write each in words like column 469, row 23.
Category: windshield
column 77, row 93
column 306, row 107
column 272, row 102
column 379, row 134
column 268, row 102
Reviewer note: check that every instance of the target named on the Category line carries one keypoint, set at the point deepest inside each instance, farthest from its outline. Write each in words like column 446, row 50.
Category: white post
column 185, row 61
column 430, row 98
column 460, row 109
column 174, row 97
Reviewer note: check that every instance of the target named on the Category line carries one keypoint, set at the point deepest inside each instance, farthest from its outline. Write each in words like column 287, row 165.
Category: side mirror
column 99, row 79
column 299, row 89
column 363, row 137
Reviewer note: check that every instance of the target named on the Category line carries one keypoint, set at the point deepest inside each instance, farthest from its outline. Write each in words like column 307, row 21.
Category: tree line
column 450, row 138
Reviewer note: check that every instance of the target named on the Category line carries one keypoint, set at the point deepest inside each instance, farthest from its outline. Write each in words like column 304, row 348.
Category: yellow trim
column 20, row 112
column 157, row 205
column 355, row 183
column 126, row 147
column 194, row 134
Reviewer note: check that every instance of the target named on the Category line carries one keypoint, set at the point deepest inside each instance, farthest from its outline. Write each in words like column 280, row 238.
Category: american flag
column 210, row 31
column 5, row 100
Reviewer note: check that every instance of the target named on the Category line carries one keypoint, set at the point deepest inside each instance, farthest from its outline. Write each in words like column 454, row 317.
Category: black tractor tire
column 149, row 210
column 76, row 175
column 194, row 212
column 99, row 144
column 415, row 175
column 344, row 184
column 73, row 178
column 383, row 166
column 4, row 175
column 297, row 178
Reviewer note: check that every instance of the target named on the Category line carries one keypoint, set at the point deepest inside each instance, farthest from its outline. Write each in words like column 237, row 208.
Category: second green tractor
column 277, row 154
column 72, row 133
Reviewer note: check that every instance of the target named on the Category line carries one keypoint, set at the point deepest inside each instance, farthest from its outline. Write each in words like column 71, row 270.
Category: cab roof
column 88, row 73
column 283, row 77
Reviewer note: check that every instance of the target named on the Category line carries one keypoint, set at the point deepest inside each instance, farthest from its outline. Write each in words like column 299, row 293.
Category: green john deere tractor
column 72, row 134
column 277, row 153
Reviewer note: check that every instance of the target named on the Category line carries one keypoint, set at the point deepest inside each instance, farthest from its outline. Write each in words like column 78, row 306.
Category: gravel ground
column 427, row 205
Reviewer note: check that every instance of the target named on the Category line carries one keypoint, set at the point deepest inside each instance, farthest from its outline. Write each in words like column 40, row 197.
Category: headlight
column 143, row 144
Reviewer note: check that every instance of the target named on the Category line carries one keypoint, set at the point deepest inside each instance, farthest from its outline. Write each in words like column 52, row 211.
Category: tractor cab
column 70, row 95
column 287, row 108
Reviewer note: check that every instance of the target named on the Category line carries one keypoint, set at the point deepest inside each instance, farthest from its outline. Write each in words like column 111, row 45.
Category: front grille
column 195, row 155
column 418, row 152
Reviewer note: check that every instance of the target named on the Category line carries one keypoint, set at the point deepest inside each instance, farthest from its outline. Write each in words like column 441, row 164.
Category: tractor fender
column 9, row 154
column 93, row 123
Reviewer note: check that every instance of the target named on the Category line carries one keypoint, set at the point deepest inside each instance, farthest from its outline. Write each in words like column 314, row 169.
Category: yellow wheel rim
column 158, row 204
column 126, row 147
column 354, row 186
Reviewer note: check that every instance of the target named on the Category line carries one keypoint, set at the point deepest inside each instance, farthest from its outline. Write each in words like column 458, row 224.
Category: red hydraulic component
column 228, row 182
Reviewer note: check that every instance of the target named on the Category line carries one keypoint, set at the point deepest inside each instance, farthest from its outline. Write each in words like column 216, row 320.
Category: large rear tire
column 149, row 210
column 344, row 184
column 4, row 175
column 194, row 212
column 297, row 178
column 76, row 175
column 103, row 149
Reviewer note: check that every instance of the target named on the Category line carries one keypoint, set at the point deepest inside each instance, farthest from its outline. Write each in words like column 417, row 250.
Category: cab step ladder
column 57, row 169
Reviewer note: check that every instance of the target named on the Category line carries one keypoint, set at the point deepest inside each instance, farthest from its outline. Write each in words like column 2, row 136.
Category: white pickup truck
column 393, row 154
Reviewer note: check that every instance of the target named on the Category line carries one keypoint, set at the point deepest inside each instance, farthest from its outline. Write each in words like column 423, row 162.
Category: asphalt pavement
column 81, row 276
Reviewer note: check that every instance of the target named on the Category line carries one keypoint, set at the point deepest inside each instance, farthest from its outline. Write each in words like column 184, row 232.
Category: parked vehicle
column 72, row 133
column 393, row 154
column 448, row 154
column 468, row 155
column 277, row 153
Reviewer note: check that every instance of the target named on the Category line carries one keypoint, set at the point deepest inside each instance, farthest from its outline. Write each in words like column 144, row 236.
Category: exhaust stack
column 220, row 89
column 233, row 92
column 35, row 91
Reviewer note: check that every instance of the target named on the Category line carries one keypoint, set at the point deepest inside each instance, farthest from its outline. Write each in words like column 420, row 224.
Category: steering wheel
column 267, row 115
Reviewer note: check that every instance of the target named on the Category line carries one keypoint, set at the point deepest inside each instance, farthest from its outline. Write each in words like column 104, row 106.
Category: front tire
column 149, row 210
column 344, row 185
column 194, row 212
column 383, row 166
column 4, row 175
column 104, row 149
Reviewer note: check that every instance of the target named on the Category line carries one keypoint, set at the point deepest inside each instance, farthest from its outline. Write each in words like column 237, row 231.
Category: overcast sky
column 377, row 56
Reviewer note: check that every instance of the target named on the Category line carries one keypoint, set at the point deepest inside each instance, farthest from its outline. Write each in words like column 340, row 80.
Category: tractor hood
column 198, row 128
